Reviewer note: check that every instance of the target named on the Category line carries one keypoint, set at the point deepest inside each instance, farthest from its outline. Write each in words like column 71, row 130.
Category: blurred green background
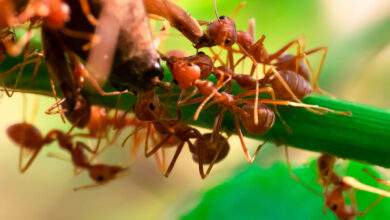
column 357, row 69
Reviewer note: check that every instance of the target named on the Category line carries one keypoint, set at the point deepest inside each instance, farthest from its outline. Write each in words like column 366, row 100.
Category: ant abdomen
column 25, row 134
column 210, row 147
column 265, row 115
column 288, row 62
column 298, row 85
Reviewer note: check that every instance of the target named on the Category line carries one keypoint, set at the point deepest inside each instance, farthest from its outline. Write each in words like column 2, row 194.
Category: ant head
column 77, row 111
column 244, row 39
column 147, row 107
column 204, row 62
column 58, row 14
column 26, row 135
column 222, row 31
column 185, row 73
column 102, row 173
column 265, row 115
column 209, row 148
column 325, row 163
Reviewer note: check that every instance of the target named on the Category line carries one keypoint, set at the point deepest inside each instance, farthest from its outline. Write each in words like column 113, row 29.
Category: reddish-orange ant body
column 335, row 187
column 188, row 74
column 28, row 136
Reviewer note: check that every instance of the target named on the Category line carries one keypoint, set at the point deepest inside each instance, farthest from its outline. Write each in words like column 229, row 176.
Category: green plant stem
column 364, row 136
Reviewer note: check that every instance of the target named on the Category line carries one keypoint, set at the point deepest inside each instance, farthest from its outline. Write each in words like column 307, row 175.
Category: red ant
column 28, row 136
column 188, row 74
column 173, row 132
column 334, row 198
column 297, row 65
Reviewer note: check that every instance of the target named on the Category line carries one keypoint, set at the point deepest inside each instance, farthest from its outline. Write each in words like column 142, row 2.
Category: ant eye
column 99, row 178
column 222, row 17
column 175, row 81
column 189, row 64
column 227, row 41
column 151, row 106
column 334, row 207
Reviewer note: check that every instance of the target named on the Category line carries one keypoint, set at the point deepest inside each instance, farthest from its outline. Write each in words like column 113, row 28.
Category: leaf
column 271, row 193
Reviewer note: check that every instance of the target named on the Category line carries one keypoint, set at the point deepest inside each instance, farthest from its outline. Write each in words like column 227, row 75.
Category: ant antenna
column 215, row 9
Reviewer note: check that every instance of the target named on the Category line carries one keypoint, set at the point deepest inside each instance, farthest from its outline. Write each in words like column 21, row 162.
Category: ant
column 100, row 173
column 334, row 198
column 212, row 148
column 28, row 136
column 187, row 74
column 290, row 70
column 173, row 132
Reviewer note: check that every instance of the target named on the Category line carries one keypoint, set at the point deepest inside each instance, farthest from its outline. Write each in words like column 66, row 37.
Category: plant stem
column 363, row 136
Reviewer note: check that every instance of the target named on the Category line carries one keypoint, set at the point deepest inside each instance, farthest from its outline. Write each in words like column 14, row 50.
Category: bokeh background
column 357, row 69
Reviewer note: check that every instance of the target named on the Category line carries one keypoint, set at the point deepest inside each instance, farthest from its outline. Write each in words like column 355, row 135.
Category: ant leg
column 379, row 180
column 230, row 58
column 284, row 83
column 158, row 146
column 240, row 6
column 134, row 146
column 217, row 56
column 50, row 110
column 316, row 75
column 216, row 131
column 251, row 27
column 14, row 49
column 22, row 168
column 87, row 12
column 174, row 159
column 295, row 177
column 183, row 100
column 240, row 60
column 301, row 105
column 257, row 44
column 79, row 67
column 371, row 206
column 53, row 89
column 201, row 106
column 11, row 70
column 361, row 186
column 58, row 156
column 147, row 140
column 136, row 130
column 278, row 53
column 241, row 137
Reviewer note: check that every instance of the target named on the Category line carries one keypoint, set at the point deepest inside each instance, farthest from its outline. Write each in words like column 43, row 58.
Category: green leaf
column 271, row 193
